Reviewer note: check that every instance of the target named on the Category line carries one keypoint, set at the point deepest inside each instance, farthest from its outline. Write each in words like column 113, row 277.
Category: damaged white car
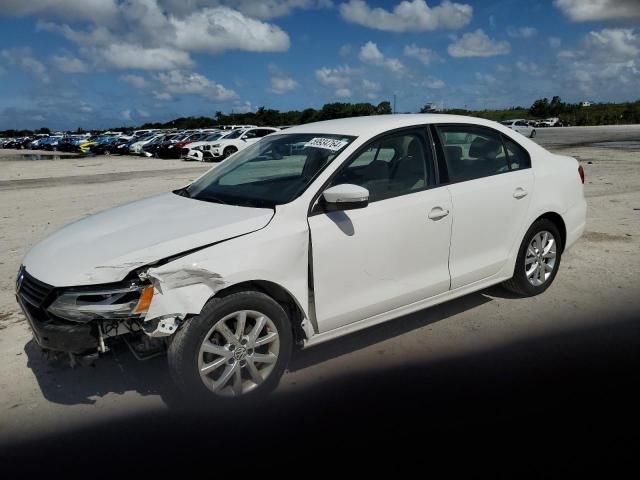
column 307, row 235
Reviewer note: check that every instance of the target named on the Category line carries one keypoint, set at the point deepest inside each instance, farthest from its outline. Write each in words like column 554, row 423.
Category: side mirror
column 344, row 197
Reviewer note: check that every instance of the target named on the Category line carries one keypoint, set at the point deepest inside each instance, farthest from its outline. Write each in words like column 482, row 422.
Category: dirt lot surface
column 598, row 282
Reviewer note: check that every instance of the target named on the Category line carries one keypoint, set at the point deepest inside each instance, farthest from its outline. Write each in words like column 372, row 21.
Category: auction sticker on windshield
column 326, row 143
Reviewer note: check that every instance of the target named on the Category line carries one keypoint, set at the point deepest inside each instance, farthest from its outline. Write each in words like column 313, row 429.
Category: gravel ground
column 598, row 282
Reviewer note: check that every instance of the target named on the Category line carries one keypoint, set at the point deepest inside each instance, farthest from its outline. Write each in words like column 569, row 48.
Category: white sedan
column 238, row 140
column 520, row 126
column 306, row 236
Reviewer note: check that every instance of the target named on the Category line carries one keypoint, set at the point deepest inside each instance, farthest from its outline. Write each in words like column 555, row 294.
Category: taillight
column 581, row 173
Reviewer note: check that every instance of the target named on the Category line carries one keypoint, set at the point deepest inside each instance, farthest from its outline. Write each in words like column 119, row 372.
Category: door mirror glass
column 344, row 197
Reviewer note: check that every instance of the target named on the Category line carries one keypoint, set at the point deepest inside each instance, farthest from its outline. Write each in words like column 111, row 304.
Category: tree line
column 569, row 113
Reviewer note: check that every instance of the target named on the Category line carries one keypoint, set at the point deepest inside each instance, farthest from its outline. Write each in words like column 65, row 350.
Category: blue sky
column 103, row 63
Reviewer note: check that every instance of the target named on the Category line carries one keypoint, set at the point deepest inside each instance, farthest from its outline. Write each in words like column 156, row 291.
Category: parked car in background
column 520, row 126
column 137, row 146
column 549, row 122
column 173, row 147
column 201, row 150
column 302, row 237
column 238, row 140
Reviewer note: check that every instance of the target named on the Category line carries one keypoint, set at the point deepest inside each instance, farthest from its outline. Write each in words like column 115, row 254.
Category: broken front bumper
column 59, row 335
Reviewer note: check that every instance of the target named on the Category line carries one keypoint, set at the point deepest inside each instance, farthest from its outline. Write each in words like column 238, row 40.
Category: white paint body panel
column 380, row 257
column 487, row 221
column 105, row 247
column 394, row 262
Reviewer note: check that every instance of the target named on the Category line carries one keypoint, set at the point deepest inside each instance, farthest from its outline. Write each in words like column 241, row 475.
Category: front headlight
column 116, row 303
column 215, row 145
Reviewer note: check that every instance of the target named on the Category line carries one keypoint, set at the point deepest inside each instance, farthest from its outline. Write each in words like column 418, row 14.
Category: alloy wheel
column 238, row 353
column 540, row 258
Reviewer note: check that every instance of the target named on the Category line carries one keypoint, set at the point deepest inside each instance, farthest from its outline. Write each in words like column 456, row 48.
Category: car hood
column 105, row 247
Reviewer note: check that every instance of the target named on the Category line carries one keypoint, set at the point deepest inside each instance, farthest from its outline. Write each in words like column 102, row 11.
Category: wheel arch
column 278, row 293
column 558, row 221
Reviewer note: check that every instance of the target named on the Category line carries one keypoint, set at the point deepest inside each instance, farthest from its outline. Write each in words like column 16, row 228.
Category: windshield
column 273, row 171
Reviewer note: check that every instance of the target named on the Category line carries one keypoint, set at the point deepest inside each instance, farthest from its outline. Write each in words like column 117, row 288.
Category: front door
column 393, row 252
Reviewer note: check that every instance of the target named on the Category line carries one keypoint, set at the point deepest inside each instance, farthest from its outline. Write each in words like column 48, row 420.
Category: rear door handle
column 520, row 193
column 437, row 213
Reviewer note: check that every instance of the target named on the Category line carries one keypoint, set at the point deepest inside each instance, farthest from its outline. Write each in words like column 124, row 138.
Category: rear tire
column 232, row 357
column 533, row 133
column 538, row 260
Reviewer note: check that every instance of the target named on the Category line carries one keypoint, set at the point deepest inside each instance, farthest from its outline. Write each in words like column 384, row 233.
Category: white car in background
column 201, row 151
column 520, row 126
column 136, row 147
column 239, row 140
column 308, row 235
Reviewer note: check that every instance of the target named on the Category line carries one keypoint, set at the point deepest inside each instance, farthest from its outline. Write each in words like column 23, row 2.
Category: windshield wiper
column 208, row 198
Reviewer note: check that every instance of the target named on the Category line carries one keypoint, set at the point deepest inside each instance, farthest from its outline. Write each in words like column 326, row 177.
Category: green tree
column 540, row 108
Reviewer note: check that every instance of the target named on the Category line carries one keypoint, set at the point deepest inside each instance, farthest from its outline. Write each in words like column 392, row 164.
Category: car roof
column 376, row 124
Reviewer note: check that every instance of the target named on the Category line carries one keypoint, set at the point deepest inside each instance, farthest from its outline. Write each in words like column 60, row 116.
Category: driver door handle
column 437, row 213
column 520, row 193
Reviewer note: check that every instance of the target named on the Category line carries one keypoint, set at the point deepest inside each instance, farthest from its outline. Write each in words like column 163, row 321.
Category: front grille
column 34, row 291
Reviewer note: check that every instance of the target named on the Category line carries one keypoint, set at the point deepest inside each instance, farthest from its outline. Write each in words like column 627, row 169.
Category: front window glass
column 272, row 171
column 393, row 166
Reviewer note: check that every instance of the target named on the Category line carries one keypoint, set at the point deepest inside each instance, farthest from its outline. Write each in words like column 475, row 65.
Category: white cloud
column 432, row 82
column 478, row 44
column 162, row 96
column 522, row 32
column 555, row 42
column 96, row 10
column 134, row 80
column 180, row 82
column 408, row 16
column 371, row 89
column 371, row 55
column 264, row 9
column 425, row 55
column 530, row 68
column 345, row 50
column 341, row 79
column 149, row 37
column 218, row 29
column 614, row 44
column 126, row 115
column 607, row 64
column 485, row 78
column 130, row 56
column 69, row 64
column 595, row 10
column 280, row 81
column 23, row 59
column 338, row 78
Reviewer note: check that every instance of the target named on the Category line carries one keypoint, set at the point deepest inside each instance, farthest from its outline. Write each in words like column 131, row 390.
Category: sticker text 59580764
column 327, row 143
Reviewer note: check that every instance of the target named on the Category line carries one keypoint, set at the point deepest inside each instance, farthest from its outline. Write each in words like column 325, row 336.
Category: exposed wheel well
column 280, row 295
column 559, row 223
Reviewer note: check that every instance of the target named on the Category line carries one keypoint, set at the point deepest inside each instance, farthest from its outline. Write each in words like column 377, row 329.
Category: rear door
column 491, row 183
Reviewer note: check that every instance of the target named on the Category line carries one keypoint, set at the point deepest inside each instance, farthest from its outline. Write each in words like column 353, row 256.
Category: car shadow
column 118, row 372
column 385, row 331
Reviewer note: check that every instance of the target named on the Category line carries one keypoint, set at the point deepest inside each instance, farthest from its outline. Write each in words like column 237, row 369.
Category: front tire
column 236, row 349
column 228, row 152
column 538, row 259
